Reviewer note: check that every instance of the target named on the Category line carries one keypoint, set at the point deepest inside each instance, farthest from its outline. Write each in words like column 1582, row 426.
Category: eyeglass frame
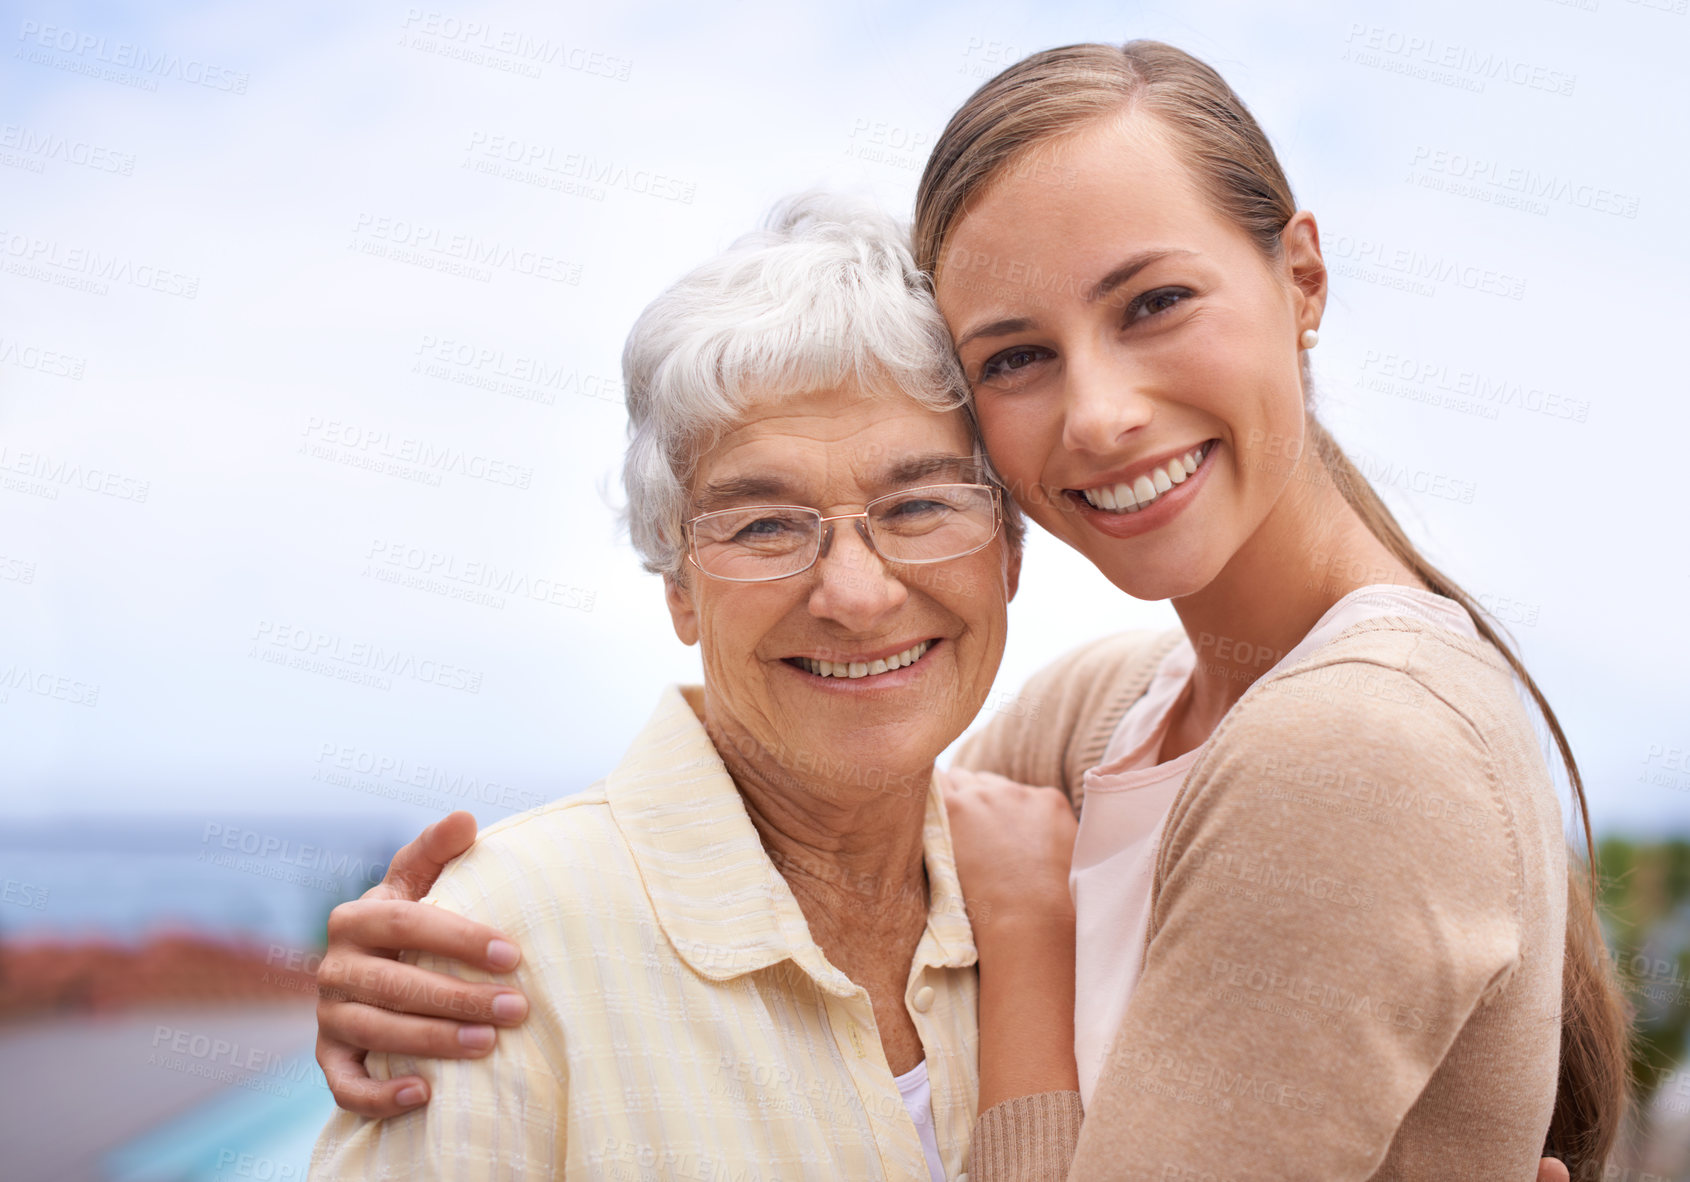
column 825, row 539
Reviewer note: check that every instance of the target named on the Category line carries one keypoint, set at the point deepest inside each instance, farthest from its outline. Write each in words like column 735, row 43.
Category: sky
column 262, row 425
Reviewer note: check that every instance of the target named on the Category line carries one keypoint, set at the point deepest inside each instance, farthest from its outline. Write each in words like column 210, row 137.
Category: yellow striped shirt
column 682, row 1022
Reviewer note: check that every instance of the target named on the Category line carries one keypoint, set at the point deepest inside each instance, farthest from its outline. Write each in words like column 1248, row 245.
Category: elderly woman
column 747, row 944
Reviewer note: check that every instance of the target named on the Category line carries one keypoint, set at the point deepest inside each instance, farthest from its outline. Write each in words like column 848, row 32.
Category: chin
column 1155, row 579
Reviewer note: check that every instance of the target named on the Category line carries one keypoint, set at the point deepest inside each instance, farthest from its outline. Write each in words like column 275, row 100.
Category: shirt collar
column 718, row 897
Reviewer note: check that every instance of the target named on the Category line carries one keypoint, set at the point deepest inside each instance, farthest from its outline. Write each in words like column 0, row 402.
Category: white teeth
column 1130, row 498
column 856, row 669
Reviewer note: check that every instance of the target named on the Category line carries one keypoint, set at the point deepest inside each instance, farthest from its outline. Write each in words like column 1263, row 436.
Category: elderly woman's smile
column 866, row 657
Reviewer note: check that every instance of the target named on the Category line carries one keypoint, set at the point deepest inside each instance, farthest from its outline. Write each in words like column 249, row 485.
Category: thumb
column 412, row 872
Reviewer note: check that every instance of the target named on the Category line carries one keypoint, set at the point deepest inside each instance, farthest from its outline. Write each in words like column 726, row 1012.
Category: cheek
column 1017, row 438
column 729, row 632
column 1020, row 455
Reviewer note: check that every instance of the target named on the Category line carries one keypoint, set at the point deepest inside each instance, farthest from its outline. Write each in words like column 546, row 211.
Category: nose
column 854, row 587
column 1104, row 402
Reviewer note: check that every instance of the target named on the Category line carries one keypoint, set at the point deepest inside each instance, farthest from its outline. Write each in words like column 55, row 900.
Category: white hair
column 825, row 294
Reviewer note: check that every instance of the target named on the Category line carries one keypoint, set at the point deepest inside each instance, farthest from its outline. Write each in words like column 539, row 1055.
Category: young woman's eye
column 1153, row 302
column 1002, row 367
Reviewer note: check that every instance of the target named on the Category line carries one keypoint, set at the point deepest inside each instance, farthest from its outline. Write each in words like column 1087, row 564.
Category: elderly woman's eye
column 774, row 527
column 917, row 509
column 1002, row 366
column 936, row 511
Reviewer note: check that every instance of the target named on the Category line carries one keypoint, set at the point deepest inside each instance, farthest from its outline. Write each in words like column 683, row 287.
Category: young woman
column 1320, row 876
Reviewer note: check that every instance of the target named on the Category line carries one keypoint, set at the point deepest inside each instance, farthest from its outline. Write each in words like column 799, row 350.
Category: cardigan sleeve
column 1027, row 1139
column 1308, row 966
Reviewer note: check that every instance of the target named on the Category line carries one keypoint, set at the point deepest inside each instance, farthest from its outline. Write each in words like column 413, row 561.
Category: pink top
column 1126, row 803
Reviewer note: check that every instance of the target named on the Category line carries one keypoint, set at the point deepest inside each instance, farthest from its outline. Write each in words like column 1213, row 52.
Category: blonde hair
column 1059, row 91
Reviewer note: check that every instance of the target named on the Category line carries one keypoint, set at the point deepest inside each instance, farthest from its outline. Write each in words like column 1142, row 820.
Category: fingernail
column 411, row 1095
column 510, row 1007
column 476, row 1038
column 502, row 954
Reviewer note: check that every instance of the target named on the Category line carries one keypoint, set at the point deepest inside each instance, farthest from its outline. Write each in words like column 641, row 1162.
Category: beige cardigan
column 1353, row 964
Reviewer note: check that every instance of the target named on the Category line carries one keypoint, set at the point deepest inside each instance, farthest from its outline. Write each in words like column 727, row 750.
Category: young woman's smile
column 1146, row 495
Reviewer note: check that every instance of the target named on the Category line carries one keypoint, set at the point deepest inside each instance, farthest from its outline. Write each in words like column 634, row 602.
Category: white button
column 923, row 1000
column 962, row 1178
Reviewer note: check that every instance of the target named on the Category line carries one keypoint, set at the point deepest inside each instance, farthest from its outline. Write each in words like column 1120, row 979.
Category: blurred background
column 310, row 423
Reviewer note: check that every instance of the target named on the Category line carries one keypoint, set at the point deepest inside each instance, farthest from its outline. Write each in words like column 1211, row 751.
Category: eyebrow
column 913, row 470
column 919, row 468
column 738, row 490
column 997, row 328
column 1127, row 270
column 1102, row 288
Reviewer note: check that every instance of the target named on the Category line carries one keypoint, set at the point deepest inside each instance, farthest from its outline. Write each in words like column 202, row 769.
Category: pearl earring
column 1310, row 338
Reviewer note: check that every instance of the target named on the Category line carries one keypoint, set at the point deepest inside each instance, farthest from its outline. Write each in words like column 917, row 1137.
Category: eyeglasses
column 916, row 526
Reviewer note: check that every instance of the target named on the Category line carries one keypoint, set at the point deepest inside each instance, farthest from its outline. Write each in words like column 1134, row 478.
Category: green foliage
column 1646, row 919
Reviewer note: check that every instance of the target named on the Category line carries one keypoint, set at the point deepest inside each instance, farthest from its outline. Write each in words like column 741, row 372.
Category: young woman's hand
column 1013, row 844
column 368, row 1001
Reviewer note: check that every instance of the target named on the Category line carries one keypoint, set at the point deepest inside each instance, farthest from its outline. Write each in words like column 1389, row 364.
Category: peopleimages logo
column 284, row 852
column 42, row 361
column 474, row 579
column 546, row 164
column 127, row 55
column 1412, row 264
column 481, row 43
column 1527, row 183
column 56, row 472
column 327, row 437
column 515, row 375
column 360, row 661
column 399, row 238
column 1432, row 59
column 44, row 146
column 86, row 268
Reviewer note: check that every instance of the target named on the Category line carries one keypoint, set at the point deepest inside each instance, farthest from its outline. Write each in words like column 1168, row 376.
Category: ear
column 677, row 592
column 1305, row 268
column 1012, row 571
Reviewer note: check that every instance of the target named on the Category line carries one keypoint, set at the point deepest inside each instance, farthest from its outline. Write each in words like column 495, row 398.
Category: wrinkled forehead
column 830, row 446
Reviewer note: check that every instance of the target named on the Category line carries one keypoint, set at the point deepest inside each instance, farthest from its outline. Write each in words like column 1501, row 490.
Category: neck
column 1311, row 551
column 852, row 853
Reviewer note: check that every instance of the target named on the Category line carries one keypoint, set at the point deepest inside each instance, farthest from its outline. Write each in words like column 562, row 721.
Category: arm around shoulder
column 501, row 1116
